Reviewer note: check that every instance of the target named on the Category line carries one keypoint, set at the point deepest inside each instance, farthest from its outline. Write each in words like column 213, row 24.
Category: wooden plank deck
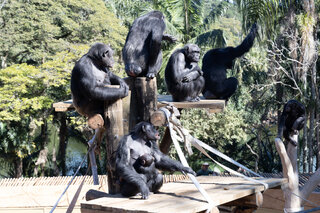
column 182, row 196
column 213, row 105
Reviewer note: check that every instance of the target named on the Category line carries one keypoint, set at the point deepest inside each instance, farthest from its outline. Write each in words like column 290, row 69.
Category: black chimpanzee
column 183, row 75
column 142, row 51
column 140, row 145
column 214, row 65
column 291, row 121
column 89, row 78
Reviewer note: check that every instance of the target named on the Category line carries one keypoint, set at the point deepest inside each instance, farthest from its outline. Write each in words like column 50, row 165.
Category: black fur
column 140, row 177
column 183, row 75
column 89, row 77
column 215, row 63
column 292, row 119
column 142, row 51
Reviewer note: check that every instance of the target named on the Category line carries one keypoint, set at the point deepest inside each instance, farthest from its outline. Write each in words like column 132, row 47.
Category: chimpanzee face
column 193, row 52
column 102, row 55
column 107, row 57
column 150, row 132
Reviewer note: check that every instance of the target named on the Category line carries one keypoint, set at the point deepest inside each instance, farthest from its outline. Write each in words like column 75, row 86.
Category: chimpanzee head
column 101, row 55
column 146, row 160
column 133, row 69
column 146, row 131
column 192, row 52
column 294, row 108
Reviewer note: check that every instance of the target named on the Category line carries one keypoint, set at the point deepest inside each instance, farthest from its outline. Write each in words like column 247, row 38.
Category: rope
column 65, row 190
column 185, row 163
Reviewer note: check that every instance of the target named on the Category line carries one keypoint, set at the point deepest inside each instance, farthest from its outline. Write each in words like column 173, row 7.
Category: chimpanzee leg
column 197, row 87
column 155, row 183
column 229, row 87
column 128, row 189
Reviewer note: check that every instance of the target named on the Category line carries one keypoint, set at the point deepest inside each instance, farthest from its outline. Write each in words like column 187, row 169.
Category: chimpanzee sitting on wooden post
column 291, row 121
column 142, row 51
column 89, row 80
column 183, row 75
column 138, row 160
column 215, row 63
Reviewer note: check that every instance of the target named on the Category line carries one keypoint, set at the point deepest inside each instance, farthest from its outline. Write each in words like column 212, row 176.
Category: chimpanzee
column 89, row 78
column 183, row 76
column 291, row 120
column 214, row 65
column 142, row 51
column 139, row 145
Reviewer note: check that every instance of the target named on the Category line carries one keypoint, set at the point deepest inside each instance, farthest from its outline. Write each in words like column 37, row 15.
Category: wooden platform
column 182, row 196
column 213, row 105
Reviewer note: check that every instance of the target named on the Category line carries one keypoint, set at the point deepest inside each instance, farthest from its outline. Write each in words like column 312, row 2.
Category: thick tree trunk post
column 143, row 99
column 290, row 171
column 114, row 131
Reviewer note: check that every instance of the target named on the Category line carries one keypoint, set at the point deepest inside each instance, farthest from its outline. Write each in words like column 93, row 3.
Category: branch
column 311, row 184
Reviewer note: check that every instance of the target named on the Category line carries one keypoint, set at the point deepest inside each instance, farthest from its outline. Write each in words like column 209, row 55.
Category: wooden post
column 143, row 99
column 114, row 131
column 158, row 118
column 290, row 170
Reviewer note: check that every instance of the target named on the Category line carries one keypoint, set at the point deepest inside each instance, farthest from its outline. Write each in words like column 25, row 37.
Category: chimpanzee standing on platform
column 142, row 51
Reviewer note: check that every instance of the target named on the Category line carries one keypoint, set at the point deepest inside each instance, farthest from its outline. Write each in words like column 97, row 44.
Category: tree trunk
column 62, row 143
column 18, row 166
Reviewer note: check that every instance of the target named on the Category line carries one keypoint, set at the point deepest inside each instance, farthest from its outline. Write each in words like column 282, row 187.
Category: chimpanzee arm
column 116, row 80
column 154, row 48
column 169, row 38
column 246, row 44
column 90, row 87
column 126, row 171
column 164, row 162
column 281, row 124
column 181, row 73
column 299, row 123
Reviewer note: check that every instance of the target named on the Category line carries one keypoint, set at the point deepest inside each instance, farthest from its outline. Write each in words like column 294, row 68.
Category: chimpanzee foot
column 209, row 95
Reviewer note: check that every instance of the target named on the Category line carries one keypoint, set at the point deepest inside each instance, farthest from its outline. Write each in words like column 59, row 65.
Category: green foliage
column 22, row 92
column 35, row 30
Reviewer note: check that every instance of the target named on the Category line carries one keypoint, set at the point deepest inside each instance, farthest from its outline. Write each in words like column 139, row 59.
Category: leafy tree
column 33, row 31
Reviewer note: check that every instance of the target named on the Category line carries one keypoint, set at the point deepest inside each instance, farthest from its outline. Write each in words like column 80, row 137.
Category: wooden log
column 158, row 118
column 114, row 131
column 143, row 99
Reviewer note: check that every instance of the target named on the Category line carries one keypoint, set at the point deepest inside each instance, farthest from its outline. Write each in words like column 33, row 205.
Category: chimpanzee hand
column 186, row 78
column 188, row 170
column 144, row 192
column 124, row 89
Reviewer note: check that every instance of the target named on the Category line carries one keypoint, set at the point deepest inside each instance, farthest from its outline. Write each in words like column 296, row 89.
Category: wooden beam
column 214, row 106
column 255, row 200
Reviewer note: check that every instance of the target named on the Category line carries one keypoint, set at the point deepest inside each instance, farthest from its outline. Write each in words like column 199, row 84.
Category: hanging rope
column 183, row 135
